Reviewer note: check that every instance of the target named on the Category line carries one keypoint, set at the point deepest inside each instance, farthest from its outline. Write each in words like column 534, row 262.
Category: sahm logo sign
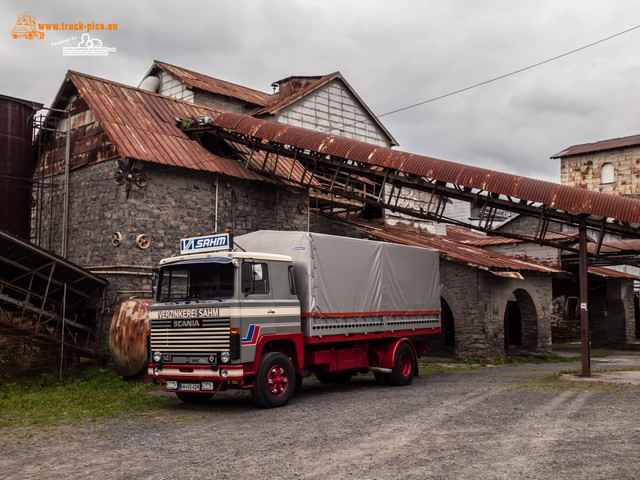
column 209, row 243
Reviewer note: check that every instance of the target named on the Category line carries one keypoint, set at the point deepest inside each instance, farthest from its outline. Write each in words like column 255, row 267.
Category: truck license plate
column 190, row 386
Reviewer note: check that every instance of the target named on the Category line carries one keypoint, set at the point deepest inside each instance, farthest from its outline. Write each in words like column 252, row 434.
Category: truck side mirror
column 154, row 281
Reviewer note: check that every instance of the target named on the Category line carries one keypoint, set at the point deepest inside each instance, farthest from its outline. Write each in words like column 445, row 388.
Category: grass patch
column 95, row 393
column 435, row 367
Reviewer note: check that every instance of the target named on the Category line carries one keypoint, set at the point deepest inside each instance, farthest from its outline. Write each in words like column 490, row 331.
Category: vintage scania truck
column 271, row 307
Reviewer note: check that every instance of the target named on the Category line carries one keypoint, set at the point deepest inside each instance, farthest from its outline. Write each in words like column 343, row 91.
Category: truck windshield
column 197, row 281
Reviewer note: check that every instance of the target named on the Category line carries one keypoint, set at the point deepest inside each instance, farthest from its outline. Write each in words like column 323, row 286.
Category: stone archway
column 521, row 322
column 444, row 343
column 512, row 325
column 448, row 325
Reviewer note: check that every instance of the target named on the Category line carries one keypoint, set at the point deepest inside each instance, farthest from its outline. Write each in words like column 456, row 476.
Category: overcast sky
column 393, row 53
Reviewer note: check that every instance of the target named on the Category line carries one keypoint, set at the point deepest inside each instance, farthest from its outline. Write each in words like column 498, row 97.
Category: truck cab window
column 206, row 281
column 255, row 278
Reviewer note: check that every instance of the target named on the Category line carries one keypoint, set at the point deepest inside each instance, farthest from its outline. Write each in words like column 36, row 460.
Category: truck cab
column 213, row 312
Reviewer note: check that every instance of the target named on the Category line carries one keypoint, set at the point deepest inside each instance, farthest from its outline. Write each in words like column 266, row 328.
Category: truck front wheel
column 404, row 367
column 275, row 382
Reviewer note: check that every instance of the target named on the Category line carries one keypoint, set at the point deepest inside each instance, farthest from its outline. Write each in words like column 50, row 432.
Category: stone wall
column 478, row 300
column 611, row 313
column 584, row 171
column 174, row 202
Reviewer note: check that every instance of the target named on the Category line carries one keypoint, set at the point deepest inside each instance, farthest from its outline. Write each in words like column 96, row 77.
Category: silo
column 16, row 163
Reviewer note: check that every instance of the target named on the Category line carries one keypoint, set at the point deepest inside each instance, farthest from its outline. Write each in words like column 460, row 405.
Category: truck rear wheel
column 276, row 381
column 404, row 366
column 190, row 397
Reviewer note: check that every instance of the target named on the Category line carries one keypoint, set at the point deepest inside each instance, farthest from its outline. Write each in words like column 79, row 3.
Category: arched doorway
column 520, row 323
column 448, row 328
column 443, row 344
column 512, row 325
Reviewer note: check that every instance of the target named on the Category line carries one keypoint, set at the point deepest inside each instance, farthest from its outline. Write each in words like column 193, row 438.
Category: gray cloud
column 393, row 54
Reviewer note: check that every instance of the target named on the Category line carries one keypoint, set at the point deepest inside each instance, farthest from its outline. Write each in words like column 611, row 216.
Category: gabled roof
column 142, row 125
column 319, row 83
column 632, row 141
column 214, row 85
column 271, row 104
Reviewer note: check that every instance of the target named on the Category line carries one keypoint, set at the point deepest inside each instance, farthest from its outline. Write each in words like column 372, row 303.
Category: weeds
column 96, row 393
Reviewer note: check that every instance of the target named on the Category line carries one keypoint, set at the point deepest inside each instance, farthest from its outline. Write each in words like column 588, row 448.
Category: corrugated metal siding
column 558, row 197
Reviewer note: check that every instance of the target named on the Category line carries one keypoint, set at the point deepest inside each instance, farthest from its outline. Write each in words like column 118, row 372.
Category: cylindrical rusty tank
column 16, row 163
column 128, row 336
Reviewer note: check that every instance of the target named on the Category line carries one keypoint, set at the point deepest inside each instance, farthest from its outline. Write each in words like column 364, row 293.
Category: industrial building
column 121, row 173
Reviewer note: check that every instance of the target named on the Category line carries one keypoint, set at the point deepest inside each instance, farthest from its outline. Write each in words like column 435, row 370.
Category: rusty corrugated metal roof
column 276, row 105
column 608, row 272
column 142, row 125
column 464, row 254
column 558, row 197
column 214, row 85
column 622, row 142
column 471, row 238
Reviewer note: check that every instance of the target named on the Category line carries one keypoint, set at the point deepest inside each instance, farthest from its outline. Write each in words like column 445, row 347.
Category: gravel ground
column 488, row 423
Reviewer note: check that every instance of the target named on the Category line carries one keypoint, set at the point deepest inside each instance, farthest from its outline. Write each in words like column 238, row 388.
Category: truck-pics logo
column 26, row 27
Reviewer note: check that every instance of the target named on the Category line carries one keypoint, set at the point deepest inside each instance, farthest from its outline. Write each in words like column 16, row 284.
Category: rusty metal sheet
column 214, row 85
column 631, row 141
column 607, row 272
column 141, row 125
column 559, row 197
column 279, row 104
column 128, row 336
column 464, row 254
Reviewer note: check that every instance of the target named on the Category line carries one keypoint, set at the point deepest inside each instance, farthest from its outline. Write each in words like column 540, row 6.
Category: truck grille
column 212, row 336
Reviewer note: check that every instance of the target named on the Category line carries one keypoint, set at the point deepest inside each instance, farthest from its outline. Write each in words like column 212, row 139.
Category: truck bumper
column 193, row 372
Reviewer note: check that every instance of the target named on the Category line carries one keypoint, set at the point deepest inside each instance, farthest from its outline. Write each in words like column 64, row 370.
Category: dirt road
column 490, row 423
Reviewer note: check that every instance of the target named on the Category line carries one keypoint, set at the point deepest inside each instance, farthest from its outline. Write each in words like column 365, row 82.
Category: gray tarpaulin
column 342, row 275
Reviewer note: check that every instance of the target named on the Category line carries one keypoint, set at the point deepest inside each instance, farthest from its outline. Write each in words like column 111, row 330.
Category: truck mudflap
column 195, row 372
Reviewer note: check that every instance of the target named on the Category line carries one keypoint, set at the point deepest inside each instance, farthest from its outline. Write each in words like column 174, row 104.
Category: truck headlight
column 157, row 356
column 224, row 373
column 225, row 357
column 156, row 371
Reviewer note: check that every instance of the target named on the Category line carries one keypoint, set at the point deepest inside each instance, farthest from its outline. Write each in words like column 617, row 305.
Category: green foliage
column 96, row 393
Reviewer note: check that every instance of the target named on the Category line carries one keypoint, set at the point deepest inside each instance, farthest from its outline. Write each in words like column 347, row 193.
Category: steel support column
column 584, row 299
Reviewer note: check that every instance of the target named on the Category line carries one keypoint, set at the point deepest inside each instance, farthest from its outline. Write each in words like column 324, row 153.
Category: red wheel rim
column 405, row 364
column 277, row 380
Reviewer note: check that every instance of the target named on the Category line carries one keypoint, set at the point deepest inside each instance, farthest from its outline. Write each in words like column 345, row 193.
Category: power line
column 508, row 74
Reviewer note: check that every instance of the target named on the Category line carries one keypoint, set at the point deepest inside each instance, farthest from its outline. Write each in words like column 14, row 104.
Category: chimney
column 292, row 85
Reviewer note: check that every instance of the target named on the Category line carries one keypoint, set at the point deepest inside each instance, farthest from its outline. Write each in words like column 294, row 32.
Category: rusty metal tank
column 128, row 336
column 16, row 163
